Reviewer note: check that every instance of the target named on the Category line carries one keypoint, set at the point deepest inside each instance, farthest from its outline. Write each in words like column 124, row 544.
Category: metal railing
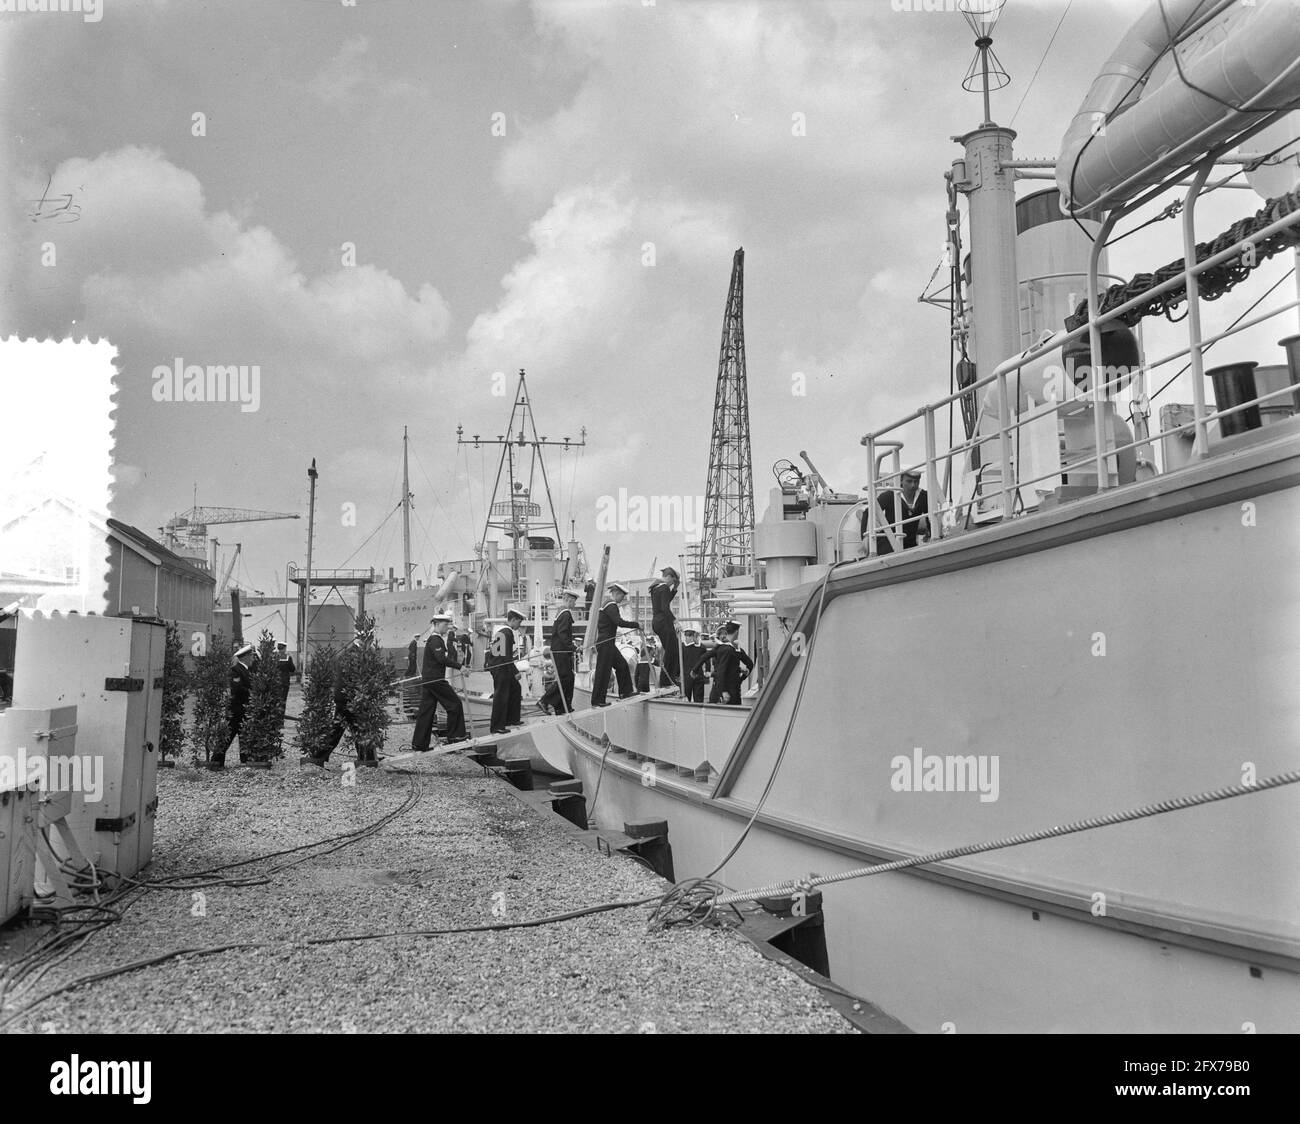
column 945, row 512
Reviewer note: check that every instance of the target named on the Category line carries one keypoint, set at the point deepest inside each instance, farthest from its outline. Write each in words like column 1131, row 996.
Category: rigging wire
column 1042, row 60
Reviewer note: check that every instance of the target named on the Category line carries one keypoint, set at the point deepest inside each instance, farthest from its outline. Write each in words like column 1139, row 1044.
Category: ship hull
column 1121, row 651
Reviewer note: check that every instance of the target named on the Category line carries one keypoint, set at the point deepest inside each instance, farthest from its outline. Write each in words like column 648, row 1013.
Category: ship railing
column 946, row 513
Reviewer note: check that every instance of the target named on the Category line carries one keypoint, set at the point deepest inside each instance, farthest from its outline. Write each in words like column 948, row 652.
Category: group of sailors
column 684, row 662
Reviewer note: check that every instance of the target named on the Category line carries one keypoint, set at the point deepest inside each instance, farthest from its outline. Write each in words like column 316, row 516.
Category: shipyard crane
column 186, row 533
column 726, row 547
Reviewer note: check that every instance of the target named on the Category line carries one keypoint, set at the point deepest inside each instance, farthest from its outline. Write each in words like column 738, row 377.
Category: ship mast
column 516, row 513
column 406, row 515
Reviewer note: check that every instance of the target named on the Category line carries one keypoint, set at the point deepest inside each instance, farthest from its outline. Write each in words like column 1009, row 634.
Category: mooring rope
column 1175, row 804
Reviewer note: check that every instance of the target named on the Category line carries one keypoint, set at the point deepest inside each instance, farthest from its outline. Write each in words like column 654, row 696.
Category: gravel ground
column 467, row 853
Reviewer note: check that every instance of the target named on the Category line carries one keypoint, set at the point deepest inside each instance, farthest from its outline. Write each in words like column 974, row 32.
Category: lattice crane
column 726, row 547
column 186, row 533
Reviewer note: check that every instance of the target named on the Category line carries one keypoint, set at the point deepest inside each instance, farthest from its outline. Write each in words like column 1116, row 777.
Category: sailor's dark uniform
column 241, row 689
column 726, row 660
column 608, row 657
column 910, row 527
column 692, row 675
column 560, row 695
column 661, row 599
column 438, row 657
column 506, row 692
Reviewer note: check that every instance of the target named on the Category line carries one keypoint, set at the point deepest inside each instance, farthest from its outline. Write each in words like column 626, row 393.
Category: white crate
column 110, row 669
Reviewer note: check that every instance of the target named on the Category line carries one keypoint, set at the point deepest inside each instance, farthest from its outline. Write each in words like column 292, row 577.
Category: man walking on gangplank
column 608, row 657
column 662, row 591
column 439, row 655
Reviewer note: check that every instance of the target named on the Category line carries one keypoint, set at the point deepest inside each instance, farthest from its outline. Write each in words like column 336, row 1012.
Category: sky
column 390, row 207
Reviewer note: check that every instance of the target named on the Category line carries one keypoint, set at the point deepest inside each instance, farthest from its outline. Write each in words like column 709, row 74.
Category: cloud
column 149, row 262
column 352, row 75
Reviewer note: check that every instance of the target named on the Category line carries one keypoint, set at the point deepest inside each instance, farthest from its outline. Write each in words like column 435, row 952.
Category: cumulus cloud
column 149, row 261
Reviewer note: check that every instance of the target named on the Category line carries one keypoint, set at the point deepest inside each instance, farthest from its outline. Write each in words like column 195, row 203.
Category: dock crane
column 186, row 533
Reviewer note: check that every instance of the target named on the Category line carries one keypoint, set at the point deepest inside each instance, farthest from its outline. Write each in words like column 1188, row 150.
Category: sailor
column 644, row 661
column 466, row 649
column 343, row 719
column 241, row 687
column 439, row 655
column 506, row 693
column 692, row 678
column 726, row 660
column 915, row 516
column 559, row 699
column 413, row 656
column 608, row 622
column 286, row 668
column 662, row 591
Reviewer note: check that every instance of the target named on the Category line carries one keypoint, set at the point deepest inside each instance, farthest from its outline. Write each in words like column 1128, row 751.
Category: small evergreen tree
column 317, row 719
column 171, row 734
column 261, row 736
column 210, row 685
column 365, row 681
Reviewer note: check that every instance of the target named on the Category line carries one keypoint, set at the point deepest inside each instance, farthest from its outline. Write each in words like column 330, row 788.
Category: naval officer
column 559, row 699
column 241, row 688
column 726, row 660
column 506, row 693
column 608, row 622
column 439, row 655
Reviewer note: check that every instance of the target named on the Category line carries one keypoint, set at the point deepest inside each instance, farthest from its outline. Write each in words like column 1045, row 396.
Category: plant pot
column 259, row 764
column 164, row 764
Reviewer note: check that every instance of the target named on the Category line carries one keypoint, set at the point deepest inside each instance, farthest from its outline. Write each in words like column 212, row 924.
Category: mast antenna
column 985, row 72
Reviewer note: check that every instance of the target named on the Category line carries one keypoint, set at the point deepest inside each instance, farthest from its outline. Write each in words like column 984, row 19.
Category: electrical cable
column 307, row 942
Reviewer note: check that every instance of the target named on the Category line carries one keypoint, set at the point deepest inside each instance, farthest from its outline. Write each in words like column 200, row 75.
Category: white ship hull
column 1134, row 647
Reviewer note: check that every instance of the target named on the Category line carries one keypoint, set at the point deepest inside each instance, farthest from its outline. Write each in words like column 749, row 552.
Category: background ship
column 1070, row 716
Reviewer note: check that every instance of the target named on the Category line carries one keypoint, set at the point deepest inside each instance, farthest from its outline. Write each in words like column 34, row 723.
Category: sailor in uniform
column 506, row 692
column 726, row 660
column 439, row 655
column 559, row 699
column 608, row 659
column 241, row 688
column 285, row 666
column 692, row 678
column 662, row 591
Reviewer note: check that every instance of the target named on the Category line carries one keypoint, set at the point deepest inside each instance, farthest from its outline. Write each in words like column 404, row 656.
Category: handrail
column 1009, row 483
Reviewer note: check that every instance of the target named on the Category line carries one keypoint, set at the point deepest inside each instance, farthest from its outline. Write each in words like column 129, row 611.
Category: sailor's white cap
column 244, row 650
column 732, row 626
column 615, row 586
column 439, row 617
column 571, row 592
